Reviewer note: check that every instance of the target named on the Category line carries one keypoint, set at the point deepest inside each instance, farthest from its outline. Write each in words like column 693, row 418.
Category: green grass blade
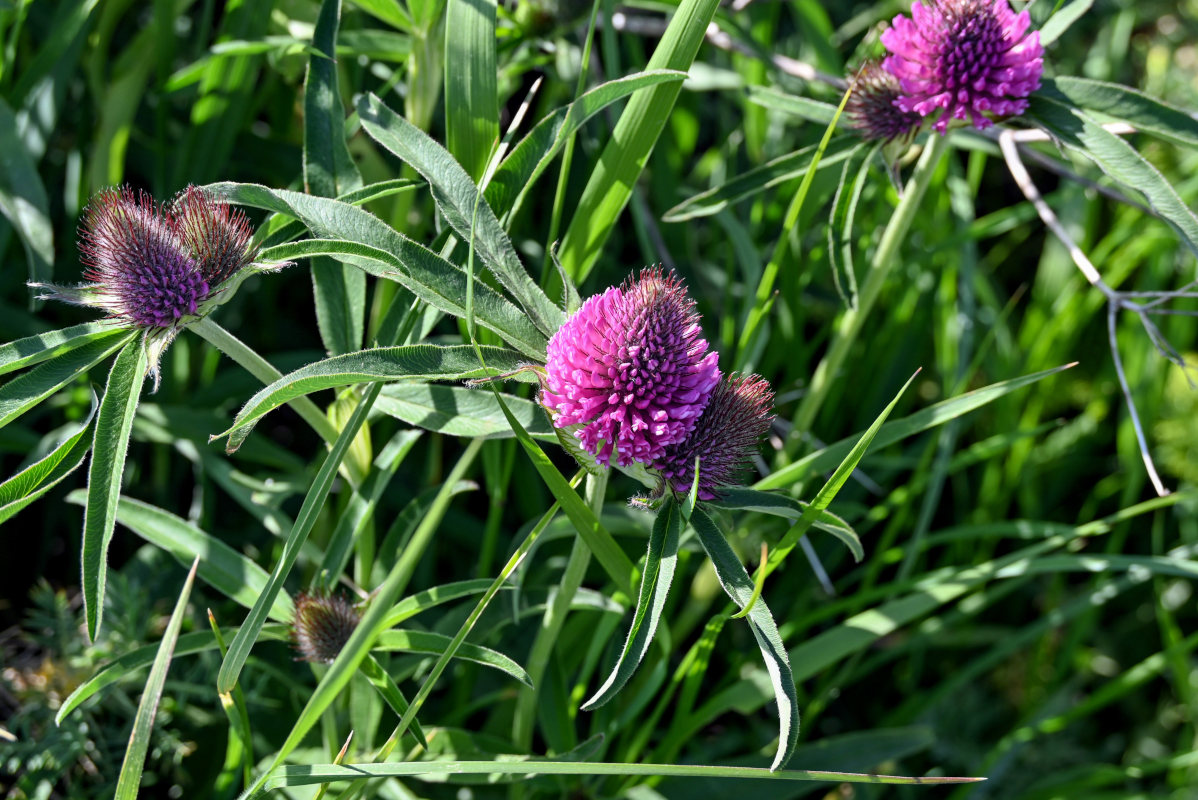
column 518, row 172
column 309, row 774
column 247, row 635
column 465, row 210
column 740, row 588
column 471, row 88
column 898, row 430
column 1061, row 20
column 39, row 477
column 377, row 365
column 637, row 131
column 23, row 199
column 391, row 695
column 221, row 567
column 436, row 644
column 113, row 425
column 741, row 499
column 660, row 562
column 129, row 779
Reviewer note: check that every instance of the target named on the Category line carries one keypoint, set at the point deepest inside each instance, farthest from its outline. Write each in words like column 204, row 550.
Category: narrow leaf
column 113, row 424
column 44, row 346
column 23, row 198
column 30, row 388
column 39, row 477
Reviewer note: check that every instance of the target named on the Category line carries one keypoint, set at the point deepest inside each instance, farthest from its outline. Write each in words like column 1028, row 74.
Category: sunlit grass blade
column 229, row 572
column 461, row 411
column 471, row 88
column 633, row 139
column 23, row 198
column 660, row 562
column 247, row 635
column 900, row 429
column 41, row 476
column 742, row 499
column 391, row 695
column 377, row 365
column 740, row 587
column 129, row 779
column 436, row 644
column 113, row 425
column 458, row 199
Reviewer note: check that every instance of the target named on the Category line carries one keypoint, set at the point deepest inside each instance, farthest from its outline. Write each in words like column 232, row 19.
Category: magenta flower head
column 143, row 273
column 631, row 366
column 967, row 58
column 322, row 625
column 871, row 106
column 726, row 437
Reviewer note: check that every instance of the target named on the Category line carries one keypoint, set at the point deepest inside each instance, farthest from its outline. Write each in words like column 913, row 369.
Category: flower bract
column 632, row 368
column 964, row 59
column 725, row 438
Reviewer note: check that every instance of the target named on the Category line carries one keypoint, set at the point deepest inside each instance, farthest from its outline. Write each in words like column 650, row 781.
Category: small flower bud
column 322, row 625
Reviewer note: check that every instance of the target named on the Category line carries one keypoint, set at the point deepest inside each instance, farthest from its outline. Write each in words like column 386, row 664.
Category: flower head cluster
column 322, row 625
column 725, row 438
column 149, row 266
column 632, row 368
column 963, row 59
column 872, row 109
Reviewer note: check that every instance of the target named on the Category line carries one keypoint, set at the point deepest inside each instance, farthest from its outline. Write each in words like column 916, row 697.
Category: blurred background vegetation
column 1050, row 679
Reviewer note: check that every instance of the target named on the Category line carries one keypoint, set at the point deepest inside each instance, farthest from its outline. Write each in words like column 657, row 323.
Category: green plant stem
column 554, row 619
column 883, row 262
column 261, row 369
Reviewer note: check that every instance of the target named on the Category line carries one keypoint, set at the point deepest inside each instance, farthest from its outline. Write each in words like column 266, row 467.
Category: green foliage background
column 1025, row 610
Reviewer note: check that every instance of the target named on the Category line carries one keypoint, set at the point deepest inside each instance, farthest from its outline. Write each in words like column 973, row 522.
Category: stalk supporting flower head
column 965, row 58
column 322, row 625
column 726, row 437
column 632, row 367
column 871, row 106
column 217, row 235
column 143, row 273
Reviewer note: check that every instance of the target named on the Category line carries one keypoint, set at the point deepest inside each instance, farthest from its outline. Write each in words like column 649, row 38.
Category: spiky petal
column 724, row 440
column 631, row 366
column 964, row 59
column 217, row 235
column 871, row 106
column 322, row 625
column 143, row 272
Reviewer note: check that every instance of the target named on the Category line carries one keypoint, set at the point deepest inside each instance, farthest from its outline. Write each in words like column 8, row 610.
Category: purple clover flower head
column 632, row 367
column 966, row 58
column 217, row 236
column 726, row 437
column 322, row 625
column 871, row 106
column 143, row 272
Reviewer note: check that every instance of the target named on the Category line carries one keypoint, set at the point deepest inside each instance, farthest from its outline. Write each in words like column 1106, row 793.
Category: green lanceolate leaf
column 221, row 567
column 635, row 135
column 1117, row 159
column 779, row 505
column 380, row 364
column 113, row 424
column 529, row 158
column 739, row 586
column 459, row 411
column 1061, row 20
column 362, row 239
column 1125, row 104
column 457, row 198
column 658, row 575
column 45, row 346
column 30, row 388
column 39, row 477
column 759, row 179
column 129, row 779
